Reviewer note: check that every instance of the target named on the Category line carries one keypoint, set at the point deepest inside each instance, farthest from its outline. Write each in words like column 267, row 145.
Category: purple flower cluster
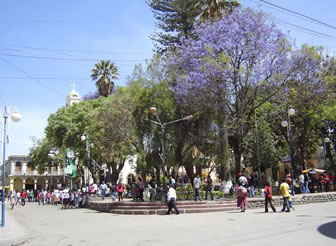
column 232, row 54
column 91, row 96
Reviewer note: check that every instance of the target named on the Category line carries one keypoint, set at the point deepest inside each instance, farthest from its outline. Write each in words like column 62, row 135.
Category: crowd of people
column 79, row 195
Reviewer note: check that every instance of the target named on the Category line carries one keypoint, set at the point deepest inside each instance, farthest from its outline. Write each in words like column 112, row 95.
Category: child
column 268, row 197
column 290, row 200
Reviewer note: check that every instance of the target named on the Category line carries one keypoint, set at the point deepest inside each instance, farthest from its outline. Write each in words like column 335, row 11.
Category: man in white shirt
column 197, row 186
column 95, row 189
column 301, row 183
column 171, row 198
column 103, row 189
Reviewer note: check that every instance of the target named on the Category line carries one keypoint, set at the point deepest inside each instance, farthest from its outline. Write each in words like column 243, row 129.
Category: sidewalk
column 13, row 233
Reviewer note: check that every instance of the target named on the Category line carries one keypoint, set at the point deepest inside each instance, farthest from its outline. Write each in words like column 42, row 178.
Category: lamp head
column 16, row 116
column 83, row 138
column 153, row 110
column 189, row 117
column 284, row 123
column 291, row 112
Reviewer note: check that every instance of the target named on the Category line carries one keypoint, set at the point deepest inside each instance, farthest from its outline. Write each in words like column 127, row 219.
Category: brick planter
column 296, row 200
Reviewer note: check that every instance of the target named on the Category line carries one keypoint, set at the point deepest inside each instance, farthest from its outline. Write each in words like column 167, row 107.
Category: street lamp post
column 258, row 156
column 162, row 137
column 16, row 117
column 287, row 124
column 325, row 141
column 85, row 137
column 52, row 154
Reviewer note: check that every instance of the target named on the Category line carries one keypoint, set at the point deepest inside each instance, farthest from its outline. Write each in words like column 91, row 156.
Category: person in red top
column 23, row 197
column 268, row 197
column 120, row 190
column 326, row 181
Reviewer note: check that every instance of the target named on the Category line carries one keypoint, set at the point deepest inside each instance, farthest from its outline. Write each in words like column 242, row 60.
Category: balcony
column 36, row 173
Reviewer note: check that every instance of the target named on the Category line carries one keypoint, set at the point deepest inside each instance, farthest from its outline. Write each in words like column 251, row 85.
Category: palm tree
column 104, row 73
column 212, row 9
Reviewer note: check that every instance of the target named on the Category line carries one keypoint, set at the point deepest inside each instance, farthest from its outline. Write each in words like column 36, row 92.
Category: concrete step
column 163, row 206
column 164, row 211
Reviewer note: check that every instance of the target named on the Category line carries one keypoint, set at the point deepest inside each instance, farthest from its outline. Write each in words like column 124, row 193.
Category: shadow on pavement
column 328, row 229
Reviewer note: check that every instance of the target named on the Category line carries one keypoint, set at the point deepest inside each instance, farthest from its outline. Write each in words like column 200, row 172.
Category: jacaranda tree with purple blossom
column 226, row 67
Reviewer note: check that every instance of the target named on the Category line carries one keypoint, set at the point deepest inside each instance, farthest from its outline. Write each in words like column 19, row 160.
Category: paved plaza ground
column 311, row 224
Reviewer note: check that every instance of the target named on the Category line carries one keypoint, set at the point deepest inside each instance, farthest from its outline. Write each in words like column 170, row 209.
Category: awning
column 313, row 171
column 6, row 187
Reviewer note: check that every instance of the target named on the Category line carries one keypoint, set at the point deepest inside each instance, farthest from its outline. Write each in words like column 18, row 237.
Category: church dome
column 73, row 97
column 74, row 94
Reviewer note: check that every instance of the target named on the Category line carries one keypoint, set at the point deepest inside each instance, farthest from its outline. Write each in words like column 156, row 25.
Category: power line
column 64, row 59
column 297, row 13
column 65, row 20
column 279, row 10
column 49, row 78
column 45, row 78
column 307, row 30
column 32, row 78
column 296, row 27
column 75, row 50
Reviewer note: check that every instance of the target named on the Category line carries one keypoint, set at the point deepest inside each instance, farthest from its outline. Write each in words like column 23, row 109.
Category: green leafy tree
column 105, row 73
column 108, row 123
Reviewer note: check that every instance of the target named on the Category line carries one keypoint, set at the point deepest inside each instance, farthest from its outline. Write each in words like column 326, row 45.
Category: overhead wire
column 75, row 50
column 46, row 78
column 31, row 77
column 64, row 59
column 299, row 14
column 294, row 26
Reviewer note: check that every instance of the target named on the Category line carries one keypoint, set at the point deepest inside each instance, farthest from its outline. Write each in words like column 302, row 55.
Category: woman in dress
column 242, row 198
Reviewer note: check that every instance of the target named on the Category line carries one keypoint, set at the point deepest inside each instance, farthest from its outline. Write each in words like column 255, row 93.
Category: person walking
column 307, row 181
column 153, row 187
column 44, row 196
column 171, row 198
column 120, row 190
column 251, row 182
column 23, row 197
column 197, row 186
column 18, row 198
column 242, row 198
column 326, row 179
column 76, row 198
column 39, row 197
column 134, row 190
column 268, row 197
column 284, row 190
column 141, row 188
column 103, row 188
column 209, row 188
column 302, row 183
column 12, row 199
column 113, row 191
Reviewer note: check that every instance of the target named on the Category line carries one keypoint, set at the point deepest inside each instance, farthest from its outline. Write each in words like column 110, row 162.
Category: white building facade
column 21, row 174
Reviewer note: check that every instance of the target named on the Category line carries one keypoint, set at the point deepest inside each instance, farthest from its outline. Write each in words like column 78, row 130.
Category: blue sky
column 38, row 37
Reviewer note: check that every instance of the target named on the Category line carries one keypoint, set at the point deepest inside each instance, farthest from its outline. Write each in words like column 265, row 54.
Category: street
column 49, row 225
